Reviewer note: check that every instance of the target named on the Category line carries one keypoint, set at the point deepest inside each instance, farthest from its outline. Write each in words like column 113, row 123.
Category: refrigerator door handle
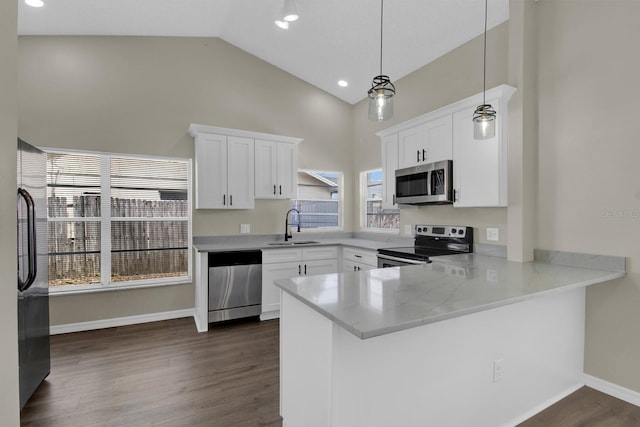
column 31, row 241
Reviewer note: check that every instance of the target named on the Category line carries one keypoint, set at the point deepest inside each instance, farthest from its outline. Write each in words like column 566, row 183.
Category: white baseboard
column 269, row 315
column 544, row 405
column 119, row 321
column 614, row 390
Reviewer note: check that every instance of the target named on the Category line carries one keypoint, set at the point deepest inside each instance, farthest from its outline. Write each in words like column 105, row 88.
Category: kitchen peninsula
column 466, row 340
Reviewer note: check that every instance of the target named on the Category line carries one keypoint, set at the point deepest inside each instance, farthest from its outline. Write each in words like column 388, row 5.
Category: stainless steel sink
column 293, row 243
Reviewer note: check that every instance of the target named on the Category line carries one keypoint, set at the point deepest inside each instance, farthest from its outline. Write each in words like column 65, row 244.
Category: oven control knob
column 419, row 230
column 453, row 231
column 460, row 231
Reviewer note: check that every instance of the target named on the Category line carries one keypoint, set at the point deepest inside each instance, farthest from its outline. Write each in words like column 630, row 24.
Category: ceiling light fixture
column 484, row 118
column 382, row 90
column 343, row 83
column 34, row 3
column 289, row 11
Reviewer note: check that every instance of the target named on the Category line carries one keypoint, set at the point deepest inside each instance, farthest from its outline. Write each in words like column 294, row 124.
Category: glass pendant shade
column 289, row 11
column 484, row 122
column 381, row 99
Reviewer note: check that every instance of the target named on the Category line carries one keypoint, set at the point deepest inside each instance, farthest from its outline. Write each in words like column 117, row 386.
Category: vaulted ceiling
column 333, row 39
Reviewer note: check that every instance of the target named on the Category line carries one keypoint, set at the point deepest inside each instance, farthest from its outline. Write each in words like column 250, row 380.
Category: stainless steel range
column 429, row 241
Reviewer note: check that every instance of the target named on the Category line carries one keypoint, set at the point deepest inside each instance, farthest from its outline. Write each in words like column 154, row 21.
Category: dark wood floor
column 167, row 374
column 162, row 373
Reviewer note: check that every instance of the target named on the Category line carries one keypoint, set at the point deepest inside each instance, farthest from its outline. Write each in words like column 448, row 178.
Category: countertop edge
column 366, row 334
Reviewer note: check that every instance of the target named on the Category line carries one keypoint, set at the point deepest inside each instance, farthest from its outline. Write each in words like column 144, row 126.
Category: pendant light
column 484, row 118
column 382, row 90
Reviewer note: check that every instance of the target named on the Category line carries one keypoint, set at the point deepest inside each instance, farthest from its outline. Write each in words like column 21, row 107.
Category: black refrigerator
column 33, row 286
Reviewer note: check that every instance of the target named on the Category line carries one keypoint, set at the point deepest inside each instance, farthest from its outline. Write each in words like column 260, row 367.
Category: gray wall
column 139, row 94
column 9, row 404
column 589, row 198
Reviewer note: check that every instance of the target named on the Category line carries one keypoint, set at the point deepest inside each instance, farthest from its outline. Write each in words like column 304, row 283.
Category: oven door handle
column 397, row 259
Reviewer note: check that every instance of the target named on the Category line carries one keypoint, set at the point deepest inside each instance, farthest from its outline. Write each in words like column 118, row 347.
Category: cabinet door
column 349, row 266
column 271, row 273
column 211, row 171
column 287, row 171
column 240, row 184
column 411, row 144
column 320, row 266
column 439, row 134
column 479, row 166
column 389, row 166
column 266, row 178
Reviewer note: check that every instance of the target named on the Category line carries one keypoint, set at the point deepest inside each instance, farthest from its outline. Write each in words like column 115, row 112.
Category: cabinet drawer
column 361, row 256
column 270, row 256
column 320, row 252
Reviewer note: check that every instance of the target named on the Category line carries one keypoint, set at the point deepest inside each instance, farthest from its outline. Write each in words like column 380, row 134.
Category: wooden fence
column 140, row 249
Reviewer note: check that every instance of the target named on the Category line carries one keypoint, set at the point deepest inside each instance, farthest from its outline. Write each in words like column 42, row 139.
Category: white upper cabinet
column 224, row 172
column 231, row 162
column 276, row 169
column 389, row 166
column 426, row 143
column 211, row 171
column 240, row 172
column 479, row 166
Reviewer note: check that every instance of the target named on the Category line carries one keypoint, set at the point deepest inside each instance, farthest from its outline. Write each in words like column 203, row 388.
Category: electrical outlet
column 408, row 229
column 493, row 234
column 498, row 370
column 245, row 228
column 492, row 275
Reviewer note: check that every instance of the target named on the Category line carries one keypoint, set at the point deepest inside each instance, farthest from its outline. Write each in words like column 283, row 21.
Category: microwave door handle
column 429, row 189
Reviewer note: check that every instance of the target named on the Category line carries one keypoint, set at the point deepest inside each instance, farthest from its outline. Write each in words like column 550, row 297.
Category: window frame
column 105, row 220
column 340, row 199
column 362, row 206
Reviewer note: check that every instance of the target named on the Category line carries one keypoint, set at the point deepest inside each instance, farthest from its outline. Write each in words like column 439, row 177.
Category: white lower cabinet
column 291, row 262
column 358, row 259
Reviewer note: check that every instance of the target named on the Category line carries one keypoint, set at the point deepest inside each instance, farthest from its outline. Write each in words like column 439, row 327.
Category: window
column 319, row 199
column 375, row 217
column 117, row 220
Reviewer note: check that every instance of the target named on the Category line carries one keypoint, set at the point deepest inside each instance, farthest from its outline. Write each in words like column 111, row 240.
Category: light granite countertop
column 233, row 243
column 381, row 301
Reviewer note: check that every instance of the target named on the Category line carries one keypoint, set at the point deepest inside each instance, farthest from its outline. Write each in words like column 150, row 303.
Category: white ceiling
column 332, row 40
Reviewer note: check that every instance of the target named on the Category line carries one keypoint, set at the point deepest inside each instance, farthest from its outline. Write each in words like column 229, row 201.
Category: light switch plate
column 245, row 228
column 493, row 234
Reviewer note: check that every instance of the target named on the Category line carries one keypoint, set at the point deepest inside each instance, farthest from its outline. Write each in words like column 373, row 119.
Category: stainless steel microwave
column 429, row 183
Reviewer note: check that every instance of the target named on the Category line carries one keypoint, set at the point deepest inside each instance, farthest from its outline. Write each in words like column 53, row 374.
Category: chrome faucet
column 287, row 230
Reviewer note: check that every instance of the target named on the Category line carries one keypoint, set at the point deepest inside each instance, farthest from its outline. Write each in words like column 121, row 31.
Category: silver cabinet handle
column 274, row 189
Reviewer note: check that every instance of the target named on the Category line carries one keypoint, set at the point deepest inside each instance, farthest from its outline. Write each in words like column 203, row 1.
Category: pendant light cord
column 381, row 14
column 484, row 71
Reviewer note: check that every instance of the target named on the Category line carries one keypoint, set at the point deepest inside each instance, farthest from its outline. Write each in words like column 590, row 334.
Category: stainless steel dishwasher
column 235, row 284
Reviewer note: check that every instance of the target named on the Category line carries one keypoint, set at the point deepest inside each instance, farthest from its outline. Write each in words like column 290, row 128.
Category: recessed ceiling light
column 343, row 83
column 34, row 3
column 281, row 24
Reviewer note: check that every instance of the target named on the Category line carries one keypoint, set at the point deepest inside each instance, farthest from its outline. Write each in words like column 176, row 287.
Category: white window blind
column 117, row 220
